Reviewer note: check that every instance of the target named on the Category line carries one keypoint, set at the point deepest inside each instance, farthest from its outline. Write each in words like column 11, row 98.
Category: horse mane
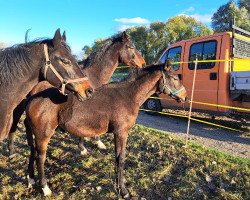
column 98, row 54
column 15, row 61
column 136, row 74
column 139, row 72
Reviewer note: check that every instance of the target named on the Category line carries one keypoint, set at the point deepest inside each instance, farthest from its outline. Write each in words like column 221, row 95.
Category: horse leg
column 18, row 111
column 6, row 119
column 100, row 145
column 30, row 141
column 120, row 148
column 83, row 149
column 41, row 147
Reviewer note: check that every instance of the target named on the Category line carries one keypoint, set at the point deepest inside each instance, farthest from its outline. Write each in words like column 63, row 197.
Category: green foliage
column 244, row 3
column 185, row 27
column 87, row 50
column 153, row 41
column 222, row 19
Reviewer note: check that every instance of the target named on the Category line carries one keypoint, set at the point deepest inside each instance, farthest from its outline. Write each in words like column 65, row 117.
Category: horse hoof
column 46, row 191
column 84, row 152
column 127, row 196
column 100, row 145
column 31, row 182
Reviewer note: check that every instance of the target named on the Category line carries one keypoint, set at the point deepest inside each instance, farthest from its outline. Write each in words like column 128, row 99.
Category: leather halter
column 172, row 93
column 63, row 81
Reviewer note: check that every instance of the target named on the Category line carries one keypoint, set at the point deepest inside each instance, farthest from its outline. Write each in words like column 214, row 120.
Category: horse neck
column 144, row 87
column 100, row 72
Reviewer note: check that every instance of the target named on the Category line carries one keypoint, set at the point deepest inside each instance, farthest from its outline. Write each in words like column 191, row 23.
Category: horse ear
column 64, row 36
column 167, row 65
column 57, row 37
column 125, row 36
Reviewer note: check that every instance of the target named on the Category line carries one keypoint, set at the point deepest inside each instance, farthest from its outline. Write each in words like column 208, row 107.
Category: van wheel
column 152, row 104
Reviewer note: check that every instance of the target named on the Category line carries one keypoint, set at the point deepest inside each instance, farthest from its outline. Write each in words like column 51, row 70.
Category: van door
column 206, row 86
column 175, row 54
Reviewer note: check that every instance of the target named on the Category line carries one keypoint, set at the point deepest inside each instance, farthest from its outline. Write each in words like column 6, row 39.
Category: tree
column 87, row 50
column 184, row 27
column 152, row 41
column 222, row 18
column 245, row 4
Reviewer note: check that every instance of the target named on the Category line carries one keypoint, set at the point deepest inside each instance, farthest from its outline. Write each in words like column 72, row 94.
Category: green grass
column 157, row 167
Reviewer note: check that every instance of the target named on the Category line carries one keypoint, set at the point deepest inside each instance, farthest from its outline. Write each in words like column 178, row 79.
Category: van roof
column 210, row 36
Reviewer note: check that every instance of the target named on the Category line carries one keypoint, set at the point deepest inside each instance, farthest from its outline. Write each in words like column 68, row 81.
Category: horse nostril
column 186, row 99
column 144, row 64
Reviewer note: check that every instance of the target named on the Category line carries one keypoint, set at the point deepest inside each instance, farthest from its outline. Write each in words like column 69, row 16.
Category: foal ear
column 64, row 36
column 125, row 36
column 167, row 65
column 57, row 37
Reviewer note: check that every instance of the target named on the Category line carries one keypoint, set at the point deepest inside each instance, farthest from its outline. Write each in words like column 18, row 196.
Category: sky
column 87, row 20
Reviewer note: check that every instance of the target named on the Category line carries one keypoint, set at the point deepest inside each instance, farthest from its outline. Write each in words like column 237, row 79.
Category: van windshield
column 174, row 54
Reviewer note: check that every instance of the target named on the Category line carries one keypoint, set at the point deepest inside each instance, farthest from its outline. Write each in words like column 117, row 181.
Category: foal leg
column 42, row 141
column 100, row 145
column 120, row 148
column 30, row 141
column 95, row 140
column 81, row 146
column 17, row 113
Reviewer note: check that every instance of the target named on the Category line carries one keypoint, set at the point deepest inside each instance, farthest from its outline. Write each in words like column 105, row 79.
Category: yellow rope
column 194, row 119
column 209, row 104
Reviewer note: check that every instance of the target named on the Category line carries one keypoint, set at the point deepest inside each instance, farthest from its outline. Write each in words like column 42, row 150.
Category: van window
column 203, row 51
column 174, row 54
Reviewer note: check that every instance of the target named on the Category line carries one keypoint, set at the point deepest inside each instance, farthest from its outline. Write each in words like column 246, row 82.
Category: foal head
column 62, row 70
column 170, row 84
column 128, row 54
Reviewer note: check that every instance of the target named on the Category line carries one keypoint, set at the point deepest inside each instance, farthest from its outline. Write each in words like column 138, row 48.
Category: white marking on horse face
column 31, row 182
column 46, row 191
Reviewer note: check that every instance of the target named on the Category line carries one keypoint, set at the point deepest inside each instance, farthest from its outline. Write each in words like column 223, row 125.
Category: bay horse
column 23, row 66
column 113, row 108
column 101, row 64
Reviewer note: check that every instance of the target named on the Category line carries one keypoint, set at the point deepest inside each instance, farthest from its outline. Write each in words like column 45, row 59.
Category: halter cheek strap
column 63, row 81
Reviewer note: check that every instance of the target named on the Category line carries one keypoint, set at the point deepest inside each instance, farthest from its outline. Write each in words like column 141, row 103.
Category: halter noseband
column 164, row 87
column 63, row 81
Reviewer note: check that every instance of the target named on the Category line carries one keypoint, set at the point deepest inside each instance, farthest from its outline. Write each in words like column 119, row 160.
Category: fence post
column 191, row 101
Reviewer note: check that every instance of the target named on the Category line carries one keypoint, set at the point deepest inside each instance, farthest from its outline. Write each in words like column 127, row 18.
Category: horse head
column 170, row 83
column 128, row 54
column 62, row 70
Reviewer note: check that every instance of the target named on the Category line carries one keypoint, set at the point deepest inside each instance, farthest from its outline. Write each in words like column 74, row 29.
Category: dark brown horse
column 23, row 66
column 112, row 108
column 101, row 64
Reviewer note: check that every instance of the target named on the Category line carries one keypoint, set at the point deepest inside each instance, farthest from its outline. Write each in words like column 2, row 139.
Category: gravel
column 230, row 142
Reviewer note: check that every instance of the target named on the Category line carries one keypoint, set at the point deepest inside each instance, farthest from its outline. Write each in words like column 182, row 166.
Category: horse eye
column 65, row 61
column 130, row 46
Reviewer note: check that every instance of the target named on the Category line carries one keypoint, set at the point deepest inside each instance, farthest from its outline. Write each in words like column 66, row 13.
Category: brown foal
column 112, row 108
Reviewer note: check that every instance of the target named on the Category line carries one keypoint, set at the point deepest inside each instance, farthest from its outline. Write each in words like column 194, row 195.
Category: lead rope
column 63, row 81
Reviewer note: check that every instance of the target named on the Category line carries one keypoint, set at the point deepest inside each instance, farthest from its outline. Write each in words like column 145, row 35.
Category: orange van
column 218, row 83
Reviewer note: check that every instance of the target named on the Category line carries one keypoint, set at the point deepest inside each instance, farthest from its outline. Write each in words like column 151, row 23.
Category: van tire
column 152, row 104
